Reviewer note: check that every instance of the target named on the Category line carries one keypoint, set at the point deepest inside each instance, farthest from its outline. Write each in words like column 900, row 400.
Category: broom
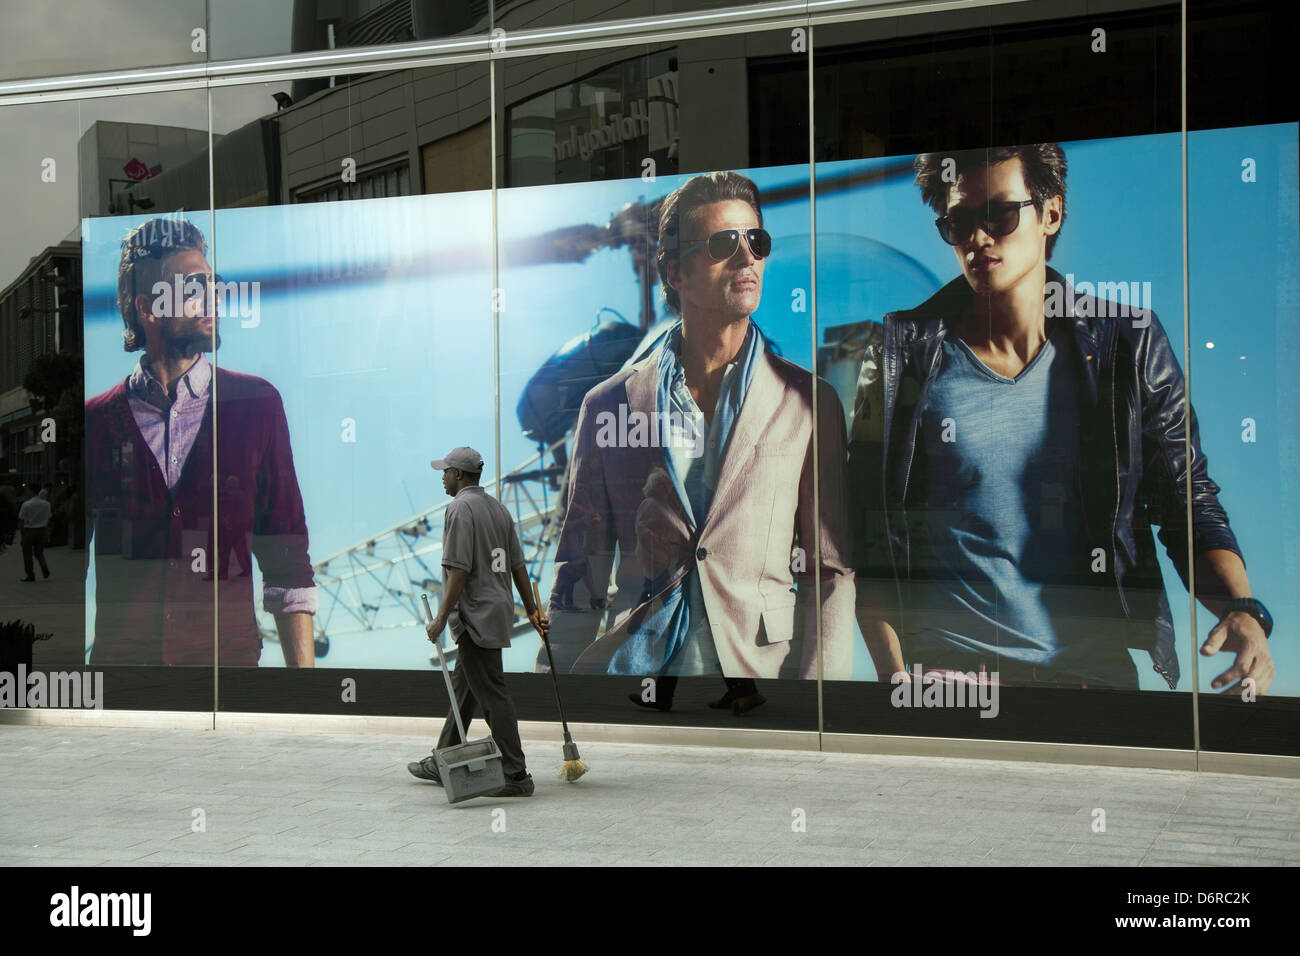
column 574, row 766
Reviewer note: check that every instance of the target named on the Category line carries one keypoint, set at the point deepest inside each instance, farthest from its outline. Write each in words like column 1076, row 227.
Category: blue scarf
column 662, row 632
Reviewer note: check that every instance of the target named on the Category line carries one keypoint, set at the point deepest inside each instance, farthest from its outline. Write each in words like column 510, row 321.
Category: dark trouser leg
column 487, row 685
column 38, row 546
column 741, row 687
column 32, row 546
column 665, row 687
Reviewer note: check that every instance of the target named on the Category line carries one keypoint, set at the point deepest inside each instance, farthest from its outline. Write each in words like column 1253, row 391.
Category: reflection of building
column 690, row 107
column 328, row 24
column 606, row 125
column 246, row 173
column 40, row 314
column 118, row 159
column 387, row 135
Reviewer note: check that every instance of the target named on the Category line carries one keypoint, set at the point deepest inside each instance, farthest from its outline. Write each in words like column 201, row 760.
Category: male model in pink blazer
column 692, row 482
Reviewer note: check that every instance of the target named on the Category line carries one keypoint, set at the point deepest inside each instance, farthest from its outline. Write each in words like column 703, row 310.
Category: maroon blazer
column 154, row 560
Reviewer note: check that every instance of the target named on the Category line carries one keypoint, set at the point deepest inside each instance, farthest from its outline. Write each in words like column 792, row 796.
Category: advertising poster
column 361, row 340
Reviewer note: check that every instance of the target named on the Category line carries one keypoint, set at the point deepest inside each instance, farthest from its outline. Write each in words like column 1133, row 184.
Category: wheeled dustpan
column 470, row 769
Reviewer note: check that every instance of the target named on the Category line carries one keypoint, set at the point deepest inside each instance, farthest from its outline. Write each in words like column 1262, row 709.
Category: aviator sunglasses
column 724, row 244
column 1002, row 219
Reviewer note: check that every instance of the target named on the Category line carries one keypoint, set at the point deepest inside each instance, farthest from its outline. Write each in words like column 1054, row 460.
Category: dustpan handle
column 442, row 663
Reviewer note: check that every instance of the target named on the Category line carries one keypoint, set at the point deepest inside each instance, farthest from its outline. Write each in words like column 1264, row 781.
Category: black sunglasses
column 723, row 245
column 1000, row 219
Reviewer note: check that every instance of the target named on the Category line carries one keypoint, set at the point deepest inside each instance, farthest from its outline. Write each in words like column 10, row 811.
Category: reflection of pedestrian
column 569, row 576
column 657, row 544
column 657, row 549
column 8, row 517
column 479, row 544
column 76, row 517
column 34, row 516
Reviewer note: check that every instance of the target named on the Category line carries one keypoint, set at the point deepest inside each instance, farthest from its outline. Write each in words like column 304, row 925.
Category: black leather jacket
column 1132, row 474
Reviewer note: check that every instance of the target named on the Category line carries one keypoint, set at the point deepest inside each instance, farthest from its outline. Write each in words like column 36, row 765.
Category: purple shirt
column 169, row 427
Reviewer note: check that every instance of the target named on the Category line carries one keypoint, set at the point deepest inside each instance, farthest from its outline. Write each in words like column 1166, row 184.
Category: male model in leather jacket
column 1013, row 445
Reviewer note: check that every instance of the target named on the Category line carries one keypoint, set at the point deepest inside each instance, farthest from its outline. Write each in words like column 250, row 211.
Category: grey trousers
column 479, row 681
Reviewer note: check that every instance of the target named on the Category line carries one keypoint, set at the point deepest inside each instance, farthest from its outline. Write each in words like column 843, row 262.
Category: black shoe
column 426, row 769
column 27, row 579
column 520, row 785
column 47, row 575
column 661, row 705
column 722, row 703
column 742, row 704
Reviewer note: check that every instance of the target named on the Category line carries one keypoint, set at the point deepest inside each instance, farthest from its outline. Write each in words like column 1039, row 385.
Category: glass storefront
column 921, row 375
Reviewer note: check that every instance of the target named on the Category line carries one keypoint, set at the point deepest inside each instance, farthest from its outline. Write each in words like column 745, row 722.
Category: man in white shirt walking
column 34, row 520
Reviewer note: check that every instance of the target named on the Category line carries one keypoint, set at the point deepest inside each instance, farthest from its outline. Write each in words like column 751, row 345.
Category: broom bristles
column 572, row 770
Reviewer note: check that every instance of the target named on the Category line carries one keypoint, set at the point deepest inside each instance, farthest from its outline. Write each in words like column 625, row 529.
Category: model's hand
column 1241, row 634
column 434, row 628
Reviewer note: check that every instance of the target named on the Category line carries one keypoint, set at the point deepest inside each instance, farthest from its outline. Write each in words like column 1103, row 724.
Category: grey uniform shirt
column 479, row 538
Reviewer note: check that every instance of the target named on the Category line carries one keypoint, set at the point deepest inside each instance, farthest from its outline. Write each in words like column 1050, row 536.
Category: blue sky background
column 408, row 355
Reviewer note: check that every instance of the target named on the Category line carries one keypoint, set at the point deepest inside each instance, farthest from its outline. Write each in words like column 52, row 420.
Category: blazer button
column 702, row 554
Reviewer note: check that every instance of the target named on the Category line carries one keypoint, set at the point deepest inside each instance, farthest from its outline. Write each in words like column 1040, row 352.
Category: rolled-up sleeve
column 457, row 540
column 289, row 600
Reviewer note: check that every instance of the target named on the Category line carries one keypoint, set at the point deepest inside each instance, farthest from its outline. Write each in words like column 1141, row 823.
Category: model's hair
column 678, row 214
column 474, row 476
column 144, row 250
column 1043, row 163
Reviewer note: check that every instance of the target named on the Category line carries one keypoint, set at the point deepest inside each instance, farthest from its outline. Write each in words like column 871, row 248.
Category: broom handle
column 555, row 681
column 442, row 662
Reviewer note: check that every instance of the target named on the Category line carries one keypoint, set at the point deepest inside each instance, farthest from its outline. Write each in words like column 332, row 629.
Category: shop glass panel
column 355, row 248
column 677, row 548
column 986, row 326
column 113, row 604
column 1242, row 209
column 66, row 36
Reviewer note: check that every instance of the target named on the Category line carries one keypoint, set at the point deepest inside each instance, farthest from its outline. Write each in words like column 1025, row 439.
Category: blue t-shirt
column 1002, row 559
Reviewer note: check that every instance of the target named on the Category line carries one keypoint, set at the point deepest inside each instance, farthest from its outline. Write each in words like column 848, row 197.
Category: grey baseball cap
column 464, row 458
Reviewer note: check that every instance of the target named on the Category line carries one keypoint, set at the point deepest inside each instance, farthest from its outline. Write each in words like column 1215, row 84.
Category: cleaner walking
column 479, row 545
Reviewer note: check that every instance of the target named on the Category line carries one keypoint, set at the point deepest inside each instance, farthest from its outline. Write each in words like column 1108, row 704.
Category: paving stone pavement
column 117, row 796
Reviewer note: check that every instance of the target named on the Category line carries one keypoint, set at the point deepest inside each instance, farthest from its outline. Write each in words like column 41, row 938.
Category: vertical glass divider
column 216, row 543
column 1187, row 393
column 816, row 422
column 496, row 281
